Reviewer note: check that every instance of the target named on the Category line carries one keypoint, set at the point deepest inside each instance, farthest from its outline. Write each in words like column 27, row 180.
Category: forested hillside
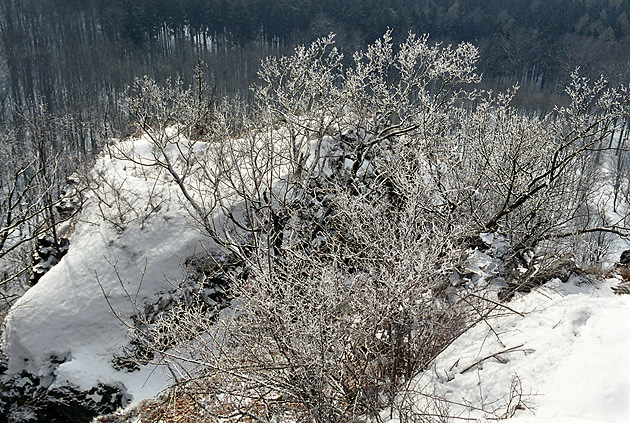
column 78, row 56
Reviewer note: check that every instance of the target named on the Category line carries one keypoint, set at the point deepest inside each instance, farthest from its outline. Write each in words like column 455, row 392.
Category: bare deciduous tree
column 35, row 164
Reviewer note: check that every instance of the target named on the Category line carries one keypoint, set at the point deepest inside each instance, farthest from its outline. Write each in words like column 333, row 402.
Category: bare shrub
column 349, row 197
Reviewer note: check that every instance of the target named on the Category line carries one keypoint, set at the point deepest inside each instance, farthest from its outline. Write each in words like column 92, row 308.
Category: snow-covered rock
column 67, row 329
column 560, row 351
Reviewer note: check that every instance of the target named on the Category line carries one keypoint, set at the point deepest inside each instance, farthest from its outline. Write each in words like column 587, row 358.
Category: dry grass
column 178, row 406
column 170, row 409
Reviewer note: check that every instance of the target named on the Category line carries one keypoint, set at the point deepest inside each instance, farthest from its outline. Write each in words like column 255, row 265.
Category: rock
column 622, row 288
column 624, row 260
column 70, row 200
column 46, row 255
column 26, row 398
column 205, row 285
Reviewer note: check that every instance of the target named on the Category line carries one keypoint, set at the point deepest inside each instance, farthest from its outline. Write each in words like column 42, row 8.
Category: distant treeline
column 77, row 56
column 139, row 20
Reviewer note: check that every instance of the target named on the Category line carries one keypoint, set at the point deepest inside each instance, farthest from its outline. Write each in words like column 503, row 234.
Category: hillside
column 375, row 242
column 69, row 328
column 558, row 353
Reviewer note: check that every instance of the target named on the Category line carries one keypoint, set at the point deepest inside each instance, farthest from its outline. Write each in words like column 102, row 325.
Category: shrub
column 349, row 197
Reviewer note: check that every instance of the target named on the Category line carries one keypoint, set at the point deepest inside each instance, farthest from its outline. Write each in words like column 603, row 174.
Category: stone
column 46, row 255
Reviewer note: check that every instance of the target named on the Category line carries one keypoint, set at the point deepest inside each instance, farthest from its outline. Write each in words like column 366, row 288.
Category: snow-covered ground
column 565, row 354
column 559, row 354
column 66, row 318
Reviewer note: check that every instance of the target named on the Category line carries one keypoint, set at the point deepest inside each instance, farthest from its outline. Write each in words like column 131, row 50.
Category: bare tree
column 32, row 177
column 347, row 198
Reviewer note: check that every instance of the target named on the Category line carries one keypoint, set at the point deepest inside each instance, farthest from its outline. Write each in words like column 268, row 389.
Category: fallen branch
column 495, row 355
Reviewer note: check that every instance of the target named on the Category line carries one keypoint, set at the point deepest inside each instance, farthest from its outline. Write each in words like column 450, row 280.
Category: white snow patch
column 66, row 314
column 569, row 349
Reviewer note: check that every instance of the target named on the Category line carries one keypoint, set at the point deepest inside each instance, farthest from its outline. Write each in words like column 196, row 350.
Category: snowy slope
column 558, row 354
column 65, row 317
column 567, row 354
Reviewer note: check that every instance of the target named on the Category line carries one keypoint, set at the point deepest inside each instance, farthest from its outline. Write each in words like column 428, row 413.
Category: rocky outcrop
column 26, row 398
column 47, row 253
column 623, row 269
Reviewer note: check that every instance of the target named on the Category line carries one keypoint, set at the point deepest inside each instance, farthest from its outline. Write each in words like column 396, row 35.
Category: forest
column 79, row 56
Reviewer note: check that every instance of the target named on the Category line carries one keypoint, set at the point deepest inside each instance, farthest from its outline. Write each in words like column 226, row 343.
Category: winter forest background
column 78, row 56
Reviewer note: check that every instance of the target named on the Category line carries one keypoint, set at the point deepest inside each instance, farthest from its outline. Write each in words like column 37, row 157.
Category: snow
column 569, row 351
column 66, row 315
column 566, row 350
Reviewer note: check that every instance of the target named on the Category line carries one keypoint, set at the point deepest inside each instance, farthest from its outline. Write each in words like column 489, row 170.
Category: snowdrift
column 565, row 358
column 69, row 327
